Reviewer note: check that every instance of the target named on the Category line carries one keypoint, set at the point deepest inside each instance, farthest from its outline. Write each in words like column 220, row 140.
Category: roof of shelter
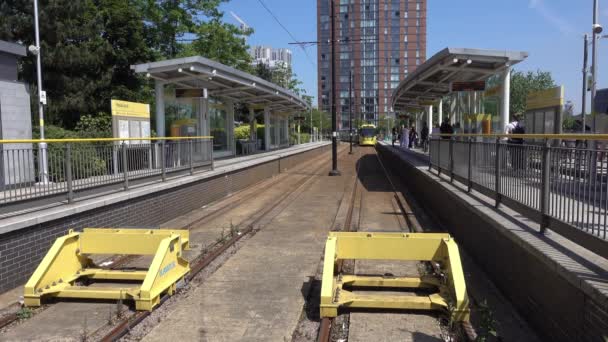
column 432, row 80
column 12, row 48
column 222, row 81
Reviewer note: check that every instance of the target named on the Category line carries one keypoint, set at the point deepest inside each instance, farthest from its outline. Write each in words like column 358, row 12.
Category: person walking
column 516, row 153
column 424, row 136
column 413, row 137
column 405, row 135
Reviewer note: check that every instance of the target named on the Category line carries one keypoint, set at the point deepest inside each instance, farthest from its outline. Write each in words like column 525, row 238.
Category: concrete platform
column 560, row 288
column 25, row 238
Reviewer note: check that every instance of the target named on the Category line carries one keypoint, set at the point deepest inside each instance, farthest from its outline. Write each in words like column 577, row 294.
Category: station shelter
column 456, row 80
column 195, row 96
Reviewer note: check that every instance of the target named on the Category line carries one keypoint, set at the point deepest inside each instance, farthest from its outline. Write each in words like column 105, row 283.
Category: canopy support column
column 429, row 115
column 440, row 111
column 159, row 87
column 505, row 99
column 267, row 128
column 252, row 130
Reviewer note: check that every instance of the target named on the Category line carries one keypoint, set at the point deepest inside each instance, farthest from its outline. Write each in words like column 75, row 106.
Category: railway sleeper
column 446, row 284
column 68, row 264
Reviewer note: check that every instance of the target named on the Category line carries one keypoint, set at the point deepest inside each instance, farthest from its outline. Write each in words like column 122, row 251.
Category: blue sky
column 550, row 30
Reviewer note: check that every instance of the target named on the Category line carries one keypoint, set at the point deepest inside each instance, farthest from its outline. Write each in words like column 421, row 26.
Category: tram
column 367, row 135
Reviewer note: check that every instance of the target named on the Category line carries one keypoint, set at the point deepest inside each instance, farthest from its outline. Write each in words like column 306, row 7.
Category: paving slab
column 258, row 294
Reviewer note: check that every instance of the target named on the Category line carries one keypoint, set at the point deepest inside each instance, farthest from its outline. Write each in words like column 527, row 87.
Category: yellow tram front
column 367, row 135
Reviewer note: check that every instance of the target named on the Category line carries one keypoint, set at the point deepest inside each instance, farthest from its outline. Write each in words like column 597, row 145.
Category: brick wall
column 22, row 250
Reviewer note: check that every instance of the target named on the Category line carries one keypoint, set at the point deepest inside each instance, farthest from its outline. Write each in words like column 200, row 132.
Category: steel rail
column 126, row 325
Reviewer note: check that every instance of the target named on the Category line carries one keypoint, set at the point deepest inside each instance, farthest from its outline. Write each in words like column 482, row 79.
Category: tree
column 524, row 83
column 283, row 76
column 87, row 49
column 169, row 21
column 222, row 42
column 263, row 71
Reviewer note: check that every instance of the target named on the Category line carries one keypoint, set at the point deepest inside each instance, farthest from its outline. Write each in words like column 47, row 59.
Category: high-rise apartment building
column 270, row 56
column 380, row 42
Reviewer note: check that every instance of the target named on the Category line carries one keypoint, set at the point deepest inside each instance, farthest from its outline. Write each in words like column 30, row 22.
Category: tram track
column 338, row 329
column 244, row 230
column 306, row 171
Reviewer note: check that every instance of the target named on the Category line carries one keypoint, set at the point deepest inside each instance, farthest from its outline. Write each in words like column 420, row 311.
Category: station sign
column 190, row 93
column 130, row 120
column 469, row 86
column 299, row 118
column 548, row 98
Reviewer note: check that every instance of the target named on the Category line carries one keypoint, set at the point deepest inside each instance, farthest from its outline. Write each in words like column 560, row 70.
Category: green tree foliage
column 263, row 71
column 221, row 42
column 522, row 83
column 87, row 49
column 169, row 21
column 319, row 119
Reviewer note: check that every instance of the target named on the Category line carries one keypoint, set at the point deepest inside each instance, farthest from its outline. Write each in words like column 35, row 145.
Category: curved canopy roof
column 222, row 81
column 431, row 80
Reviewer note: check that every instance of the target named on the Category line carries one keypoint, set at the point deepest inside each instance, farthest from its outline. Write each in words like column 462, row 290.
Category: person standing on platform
column 413, row 137
column 405, row 135
column 446, row 128
column 394, row 137
column 516, row 153
column 424, row 136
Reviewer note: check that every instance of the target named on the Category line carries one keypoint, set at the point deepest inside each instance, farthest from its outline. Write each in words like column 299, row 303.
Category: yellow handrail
column 531, row 136
column 79, row 140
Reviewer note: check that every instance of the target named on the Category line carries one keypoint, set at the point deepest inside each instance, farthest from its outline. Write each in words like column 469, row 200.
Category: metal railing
column 547, row 178
column 86, row 166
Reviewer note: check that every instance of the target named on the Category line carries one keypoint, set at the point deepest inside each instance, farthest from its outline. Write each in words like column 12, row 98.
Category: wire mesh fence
column 36, row 170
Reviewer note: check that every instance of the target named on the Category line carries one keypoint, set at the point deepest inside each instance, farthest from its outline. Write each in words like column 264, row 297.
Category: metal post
column 321, row 125
column 497, row 173
column 44, row 171
column 334, row 134
column 545, row 186
column 596, row 30
column 125, row 166
column 163, row 163
column 68, row 172
column 191, row 151
column 584, row 103
column 350, row 109
column 439, row 156
column 451, row 159
column 210, row 145
column 469, row 170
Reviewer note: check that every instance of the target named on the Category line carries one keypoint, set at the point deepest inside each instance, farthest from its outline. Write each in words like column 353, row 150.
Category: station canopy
column 222, row 81
column 433, row 79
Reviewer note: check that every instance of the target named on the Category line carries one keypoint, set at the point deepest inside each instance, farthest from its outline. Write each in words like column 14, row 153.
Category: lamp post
column 42, row 160
column 350, row 109
column 597, row 29
column 584, row 103
column 334, row 134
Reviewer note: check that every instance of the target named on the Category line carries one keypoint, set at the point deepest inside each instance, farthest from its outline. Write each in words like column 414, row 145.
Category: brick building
column 381, row 41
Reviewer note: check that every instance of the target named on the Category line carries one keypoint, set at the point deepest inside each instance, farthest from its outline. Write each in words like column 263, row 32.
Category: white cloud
column 550, row 16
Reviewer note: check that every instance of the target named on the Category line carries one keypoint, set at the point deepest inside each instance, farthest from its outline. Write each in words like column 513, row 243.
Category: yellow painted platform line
column 449, row 284
column 68, row 261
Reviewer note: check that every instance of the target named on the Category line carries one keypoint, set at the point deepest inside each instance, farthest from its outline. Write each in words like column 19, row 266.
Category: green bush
column 304, row 138
column 88, row 159
column 241, row 132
